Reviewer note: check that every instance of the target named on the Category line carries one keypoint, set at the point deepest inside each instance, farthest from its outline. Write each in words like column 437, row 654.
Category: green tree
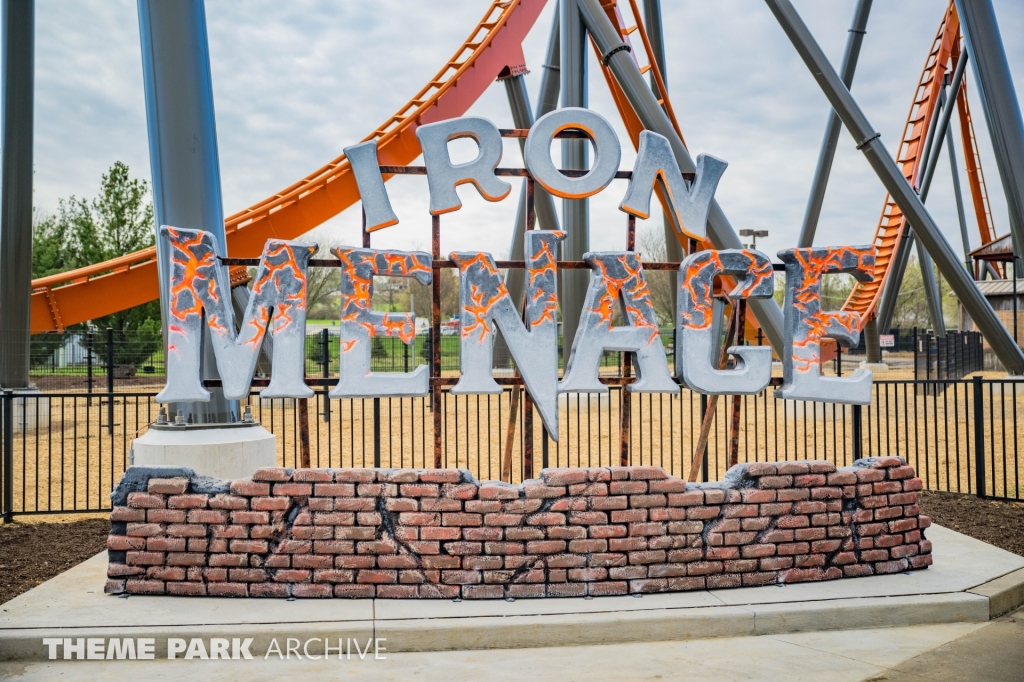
column 115, row 223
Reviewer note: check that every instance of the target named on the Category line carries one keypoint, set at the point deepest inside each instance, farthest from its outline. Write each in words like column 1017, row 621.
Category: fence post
column 858, row 432
column 89, row 349
column 704, row 460
column 8, row 456
column 376, row 433
column 325, row 360
column 110, row 380
column 979, row 438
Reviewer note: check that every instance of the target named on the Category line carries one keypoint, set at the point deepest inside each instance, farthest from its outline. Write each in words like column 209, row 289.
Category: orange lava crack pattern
column 357, row 271
column 199, row 285
column 622, row 279
column 806, row 323
column 697, row 278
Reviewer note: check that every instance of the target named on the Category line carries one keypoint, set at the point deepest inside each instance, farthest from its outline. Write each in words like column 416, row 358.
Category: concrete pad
column 1004, row 594
column 233, row 451
column 969, row 581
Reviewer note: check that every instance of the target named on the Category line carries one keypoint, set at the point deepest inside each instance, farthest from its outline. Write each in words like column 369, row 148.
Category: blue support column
column 183, row 146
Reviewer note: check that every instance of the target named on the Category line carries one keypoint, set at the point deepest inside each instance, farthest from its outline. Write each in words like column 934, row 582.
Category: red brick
column 607, row 559
column 139, row 500
column 701, row 513
column 354, row 591
column 788, row 522
column 704, row 567
column 120, row 543
column 687, row 499
column 167, row 486
column 565, row 532
column 891, row 566
column 756, row 469
column 826, row 493
column 913, row 484
column 207, row 516
column 126, row 514
column 186, row 559
column 456, row 519
column 165, row 544
column 419, row 490
column 775, row 563
column 722, row 553
column 668, row 485
column 646, row 473
column 440, row 476
column 194, row 501
column 793, row 468
column 482, row 506
column 920, row 561
column 793, row 494
column 482, row 563
column 249, row 546
column 558, row 477
column 269, row 503
column 842, row 478
column 246, row 575
column 679, row 556
column 627, row 544
column 182, row 530
column 354, row 504
column 376, row 576
column 647, row 529
column 523, row 506
column 548, row 519
column 483, row 533
column 270, row 590
column 556, row 546
column 902, row 472
column 773, row 482
column 133, row 586
column 539, row 491
column 874, row 555
column 790, row 548
column 646, row 501
column 312, row 561
column 434, row 533
column 627, row 487
column 498, row 492
column 224, row 589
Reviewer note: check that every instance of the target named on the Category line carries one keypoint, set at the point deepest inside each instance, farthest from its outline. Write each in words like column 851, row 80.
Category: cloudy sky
column 296, row 82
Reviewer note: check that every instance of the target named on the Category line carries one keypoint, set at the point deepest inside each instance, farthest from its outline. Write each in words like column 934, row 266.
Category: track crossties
column 438, row 533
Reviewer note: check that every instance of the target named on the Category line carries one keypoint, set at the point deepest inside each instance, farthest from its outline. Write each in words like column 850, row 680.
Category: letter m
column 200, row 294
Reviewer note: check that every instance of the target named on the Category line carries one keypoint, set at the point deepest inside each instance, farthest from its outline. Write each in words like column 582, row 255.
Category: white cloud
column 296, row 82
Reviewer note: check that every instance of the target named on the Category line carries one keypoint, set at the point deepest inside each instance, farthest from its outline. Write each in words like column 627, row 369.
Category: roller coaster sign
column 200, row 289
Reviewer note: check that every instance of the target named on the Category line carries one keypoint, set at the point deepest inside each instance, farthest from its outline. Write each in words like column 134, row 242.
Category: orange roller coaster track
column 942, row 58
column 97, row 290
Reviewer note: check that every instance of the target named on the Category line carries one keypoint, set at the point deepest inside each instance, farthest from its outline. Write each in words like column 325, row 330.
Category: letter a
column 483, row 299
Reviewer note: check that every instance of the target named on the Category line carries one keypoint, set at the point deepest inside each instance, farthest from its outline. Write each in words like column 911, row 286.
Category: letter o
column 607, row 152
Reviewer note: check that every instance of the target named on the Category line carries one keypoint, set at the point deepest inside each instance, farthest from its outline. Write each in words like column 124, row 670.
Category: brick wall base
column 439, row 533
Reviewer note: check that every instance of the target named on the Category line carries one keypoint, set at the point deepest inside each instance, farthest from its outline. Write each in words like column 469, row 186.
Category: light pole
column 755, row 234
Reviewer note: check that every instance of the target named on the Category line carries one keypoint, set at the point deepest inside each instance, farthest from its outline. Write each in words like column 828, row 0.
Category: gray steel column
column 523, row 117
column 16, row 193
column 183, row 146
column 656, row 35
column 925, row 227
column 871, row 344
column 958, row 195
column 653, row 117
column 833, row 127
column 999, row 102
column 931, row 290
column 575, row 156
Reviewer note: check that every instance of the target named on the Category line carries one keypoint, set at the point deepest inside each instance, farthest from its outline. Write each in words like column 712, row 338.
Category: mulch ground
column 32, row 553
column 997, row 523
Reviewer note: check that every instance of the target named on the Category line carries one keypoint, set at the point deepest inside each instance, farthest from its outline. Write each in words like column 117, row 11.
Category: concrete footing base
column 875, row 367
column 233, row 451
column 970, row 582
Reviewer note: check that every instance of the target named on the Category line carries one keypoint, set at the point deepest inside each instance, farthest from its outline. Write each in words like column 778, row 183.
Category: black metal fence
column 952, row 356
column 64, row 452
column 102, row 361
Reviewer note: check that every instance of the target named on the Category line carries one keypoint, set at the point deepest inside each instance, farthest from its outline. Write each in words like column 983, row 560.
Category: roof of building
column 1000, row 287
column 1000, row 248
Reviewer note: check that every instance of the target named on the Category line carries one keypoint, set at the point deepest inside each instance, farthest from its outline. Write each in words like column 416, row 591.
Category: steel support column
column 999, row 102
column 656, row 36
column 16, row 193
column 523, row 117
column 833, row 127
column 183, row 147
column 653, row 117
column 575, row 156
column 958, row 195
column 925, row 227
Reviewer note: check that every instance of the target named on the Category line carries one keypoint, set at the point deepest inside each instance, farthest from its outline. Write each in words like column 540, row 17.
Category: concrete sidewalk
column 982, row 652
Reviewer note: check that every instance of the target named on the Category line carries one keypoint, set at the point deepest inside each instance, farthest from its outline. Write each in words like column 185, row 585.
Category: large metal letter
column 617, row 278
column 365, row 167
column 360, row 324
column 607, row 152
column 443, row 176
column 696, row 344
column 483, row 299
column 689, row 205
column 199, row 285
column 807, row 324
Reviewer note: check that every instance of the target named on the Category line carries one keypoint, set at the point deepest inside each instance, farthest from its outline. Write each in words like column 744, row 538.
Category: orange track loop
column 131, row 280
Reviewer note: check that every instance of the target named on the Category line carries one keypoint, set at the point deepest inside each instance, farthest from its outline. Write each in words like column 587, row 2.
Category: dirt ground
column 34, row 552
